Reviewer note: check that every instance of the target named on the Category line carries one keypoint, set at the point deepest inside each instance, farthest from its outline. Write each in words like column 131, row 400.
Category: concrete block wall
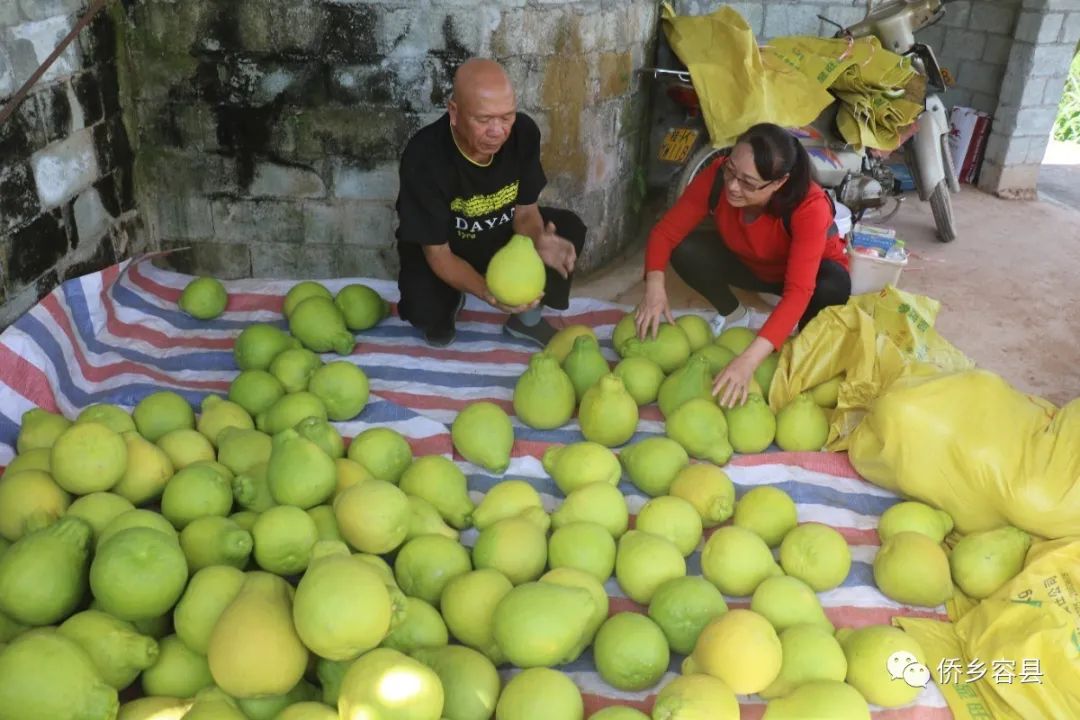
column 1047, row 34
column 270, row 130
column 973, row 43
column 67, row 201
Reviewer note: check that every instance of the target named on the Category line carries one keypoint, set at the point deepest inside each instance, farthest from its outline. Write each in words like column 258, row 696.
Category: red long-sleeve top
column 763, row 245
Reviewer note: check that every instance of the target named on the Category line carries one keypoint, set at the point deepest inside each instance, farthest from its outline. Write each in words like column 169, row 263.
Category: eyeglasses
column 748, row 185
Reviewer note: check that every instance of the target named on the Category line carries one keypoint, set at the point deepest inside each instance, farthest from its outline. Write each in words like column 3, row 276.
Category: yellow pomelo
column 696, row 697
column 739, row 647
column 300, row 292
column 29, row 498
column 708, row 489
column 560, row 344
column 540, row 694
column 644, row 562
column 384, row 683
column 385, row 453
column 342, row 607
column 205, row 598
column 87, row 458
column 468, row 605
column 99, row 509
column 349, row 473
column 584, row 546
column 672, row 518
column 420, row 627
column 116, row 419
column 373, row 516
column 195, row 492
column 186, row 447
column 36, row 459
column 40, row 429
column 426, row 563
column 515, row 547
column 768, row 512
column 254, row 649
column 137, row 518
column 218, row 414
column 598, row 502
column 148, row 470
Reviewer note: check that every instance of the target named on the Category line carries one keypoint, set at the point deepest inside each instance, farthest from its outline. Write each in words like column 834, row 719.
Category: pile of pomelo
column 244, row 561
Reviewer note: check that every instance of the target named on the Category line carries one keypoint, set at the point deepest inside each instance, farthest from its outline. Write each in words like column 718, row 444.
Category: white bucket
column 871, row 274
column 843, row 219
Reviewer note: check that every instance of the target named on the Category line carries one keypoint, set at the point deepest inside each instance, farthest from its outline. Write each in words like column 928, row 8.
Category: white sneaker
column 720, row 323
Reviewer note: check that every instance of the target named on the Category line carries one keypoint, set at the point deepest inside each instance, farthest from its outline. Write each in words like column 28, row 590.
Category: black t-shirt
column 445, row 197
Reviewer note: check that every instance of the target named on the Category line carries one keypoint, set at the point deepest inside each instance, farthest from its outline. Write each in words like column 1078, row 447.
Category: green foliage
column 1067, row 125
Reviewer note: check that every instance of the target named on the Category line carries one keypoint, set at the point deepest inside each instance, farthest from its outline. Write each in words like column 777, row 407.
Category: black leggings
column 429, row 304
column 707, row 265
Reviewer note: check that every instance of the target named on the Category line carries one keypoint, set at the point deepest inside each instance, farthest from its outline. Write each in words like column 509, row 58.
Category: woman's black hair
column 778, row 153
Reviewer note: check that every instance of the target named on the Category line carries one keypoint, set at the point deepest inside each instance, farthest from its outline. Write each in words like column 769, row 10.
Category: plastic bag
column 873, row 341
column 972, row 445
column 1016, row 654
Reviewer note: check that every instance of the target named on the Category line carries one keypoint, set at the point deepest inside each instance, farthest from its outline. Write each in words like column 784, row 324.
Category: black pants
column 707, row 265
column 430, row 304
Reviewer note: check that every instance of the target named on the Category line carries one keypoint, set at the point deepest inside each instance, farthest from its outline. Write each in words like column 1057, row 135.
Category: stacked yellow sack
column 788, row 82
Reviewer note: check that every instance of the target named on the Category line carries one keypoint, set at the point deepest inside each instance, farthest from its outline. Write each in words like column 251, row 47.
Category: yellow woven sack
column 736, row 86
column 977, row 448
column 1016, row 654
column 873, row 341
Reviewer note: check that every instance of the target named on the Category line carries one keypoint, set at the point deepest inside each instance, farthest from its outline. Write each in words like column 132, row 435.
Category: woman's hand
column 653, row 307
column 732, row 385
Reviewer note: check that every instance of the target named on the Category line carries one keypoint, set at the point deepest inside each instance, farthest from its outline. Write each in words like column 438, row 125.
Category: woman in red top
column 776, row 235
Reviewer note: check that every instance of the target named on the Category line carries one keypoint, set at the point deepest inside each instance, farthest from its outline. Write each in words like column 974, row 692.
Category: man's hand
column 557, row 252
column 487, row 297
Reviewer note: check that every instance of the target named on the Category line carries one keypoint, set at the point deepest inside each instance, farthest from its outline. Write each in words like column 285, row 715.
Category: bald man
column 469, row 181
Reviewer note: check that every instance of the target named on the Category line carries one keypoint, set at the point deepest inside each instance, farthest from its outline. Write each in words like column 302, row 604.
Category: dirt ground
column 1008, row 286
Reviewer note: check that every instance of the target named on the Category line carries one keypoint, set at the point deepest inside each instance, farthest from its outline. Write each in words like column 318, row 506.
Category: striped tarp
column 117, row 335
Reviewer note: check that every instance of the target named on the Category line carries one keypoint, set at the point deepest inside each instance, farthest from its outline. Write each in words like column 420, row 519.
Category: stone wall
column 270, row 130
column 67, row 203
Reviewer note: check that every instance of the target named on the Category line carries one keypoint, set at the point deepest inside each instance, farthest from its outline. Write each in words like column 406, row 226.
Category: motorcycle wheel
column 698, row 161
column 947, row 161
column 941, row 206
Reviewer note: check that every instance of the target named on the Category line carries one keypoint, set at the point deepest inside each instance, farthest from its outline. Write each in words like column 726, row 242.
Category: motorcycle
column 862, row 181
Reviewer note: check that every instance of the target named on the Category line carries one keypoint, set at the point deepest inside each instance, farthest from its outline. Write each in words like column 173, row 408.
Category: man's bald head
column 480, row 76
column 482, row 107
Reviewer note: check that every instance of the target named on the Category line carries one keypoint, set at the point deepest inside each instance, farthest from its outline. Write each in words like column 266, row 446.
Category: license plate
column 677, row 144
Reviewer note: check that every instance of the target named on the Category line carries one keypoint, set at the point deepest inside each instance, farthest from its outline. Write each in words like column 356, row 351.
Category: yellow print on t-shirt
column 479, row 205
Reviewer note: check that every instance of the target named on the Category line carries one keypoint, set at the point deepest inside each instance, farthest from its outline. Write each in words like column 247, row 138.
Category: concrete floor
column 1008, row 286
